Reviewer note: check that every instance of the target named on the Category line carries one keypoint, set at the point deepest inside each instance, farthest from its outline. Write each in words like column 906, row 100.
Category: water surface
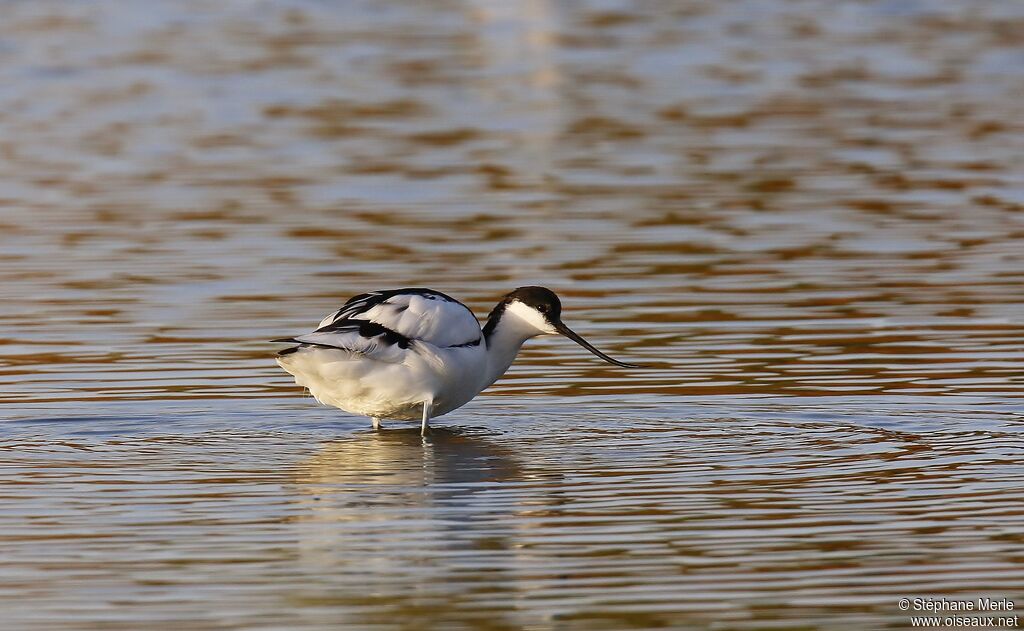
column 807, row 216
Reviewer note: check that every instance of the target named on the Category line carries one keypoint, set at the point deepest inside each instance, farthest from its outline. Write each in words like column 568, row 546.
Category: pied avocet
column 418, row 353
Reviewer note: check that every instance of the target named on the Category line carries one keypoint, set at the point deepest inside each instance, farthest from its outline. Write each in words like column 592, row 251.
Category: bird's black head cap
column 540, row 298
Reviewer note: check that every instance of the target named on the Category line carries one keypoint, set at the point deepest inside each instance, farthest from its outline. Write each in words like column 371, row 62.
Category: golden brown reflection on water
column 818, row 204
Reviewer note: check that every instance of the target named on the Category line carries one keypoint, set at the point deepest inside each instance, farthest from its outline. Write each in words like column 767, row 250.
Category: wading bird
column 416, row 353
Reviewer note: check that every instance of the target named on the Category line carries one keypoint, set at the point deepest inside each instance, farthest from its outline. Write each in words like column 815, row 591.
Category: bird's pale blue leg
column 426, row 415
column 376, row 423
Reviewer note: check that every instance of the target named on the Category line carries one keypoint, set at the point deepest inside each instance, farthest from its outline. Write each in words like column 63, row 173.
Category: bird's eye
column 542, row 308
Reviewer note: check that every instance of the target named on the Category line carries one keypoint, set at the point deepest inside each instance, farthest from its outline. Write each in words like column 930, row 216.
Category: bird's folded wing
column 361, row 337
column 415, row 314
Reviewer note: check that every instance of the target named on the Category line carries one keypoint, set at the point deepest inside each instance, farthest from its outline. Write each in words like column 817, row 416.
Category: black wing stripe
column 346, row 320
column 358, row 305
column 367, row 329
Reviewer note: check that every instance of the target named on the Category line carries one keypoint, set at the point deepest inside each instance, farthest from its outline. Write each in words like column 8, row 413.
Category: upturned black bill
column 572, row 335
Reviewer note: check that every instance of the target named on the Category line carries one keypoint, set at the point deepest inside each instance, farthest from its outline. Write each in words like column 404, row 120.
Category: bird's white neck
column 506, row 333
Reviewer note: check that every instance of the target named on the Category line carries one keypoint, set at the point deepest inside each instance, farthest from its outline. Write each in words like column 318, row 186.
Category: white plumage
column 417, row 353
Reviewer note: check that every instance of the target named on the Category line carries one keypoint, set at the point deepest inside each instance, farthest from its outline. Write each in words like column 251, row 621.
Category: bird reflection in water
column 393, row 498
column 402, row 458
